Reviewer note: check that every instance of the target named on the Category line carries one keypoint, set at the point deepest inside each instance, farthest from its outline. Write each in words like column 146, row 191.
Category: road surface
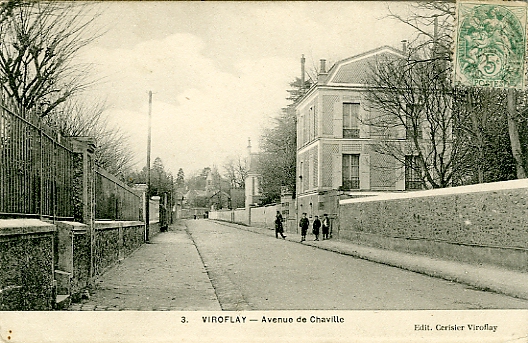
column 251, row 271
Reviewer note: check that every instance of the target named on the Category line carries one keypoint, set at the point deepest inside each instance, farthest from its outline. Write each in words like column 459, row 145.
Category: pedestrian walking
column 279, row 229
column 304, row 224
column 326, row 226
column 315, row 227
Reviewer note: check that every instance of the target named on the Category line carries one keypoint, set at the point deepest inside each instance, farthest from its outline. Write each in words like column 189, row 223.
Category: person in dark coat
column 279, row 229
column 326, row 226
column 315, row 227
column 304, row 224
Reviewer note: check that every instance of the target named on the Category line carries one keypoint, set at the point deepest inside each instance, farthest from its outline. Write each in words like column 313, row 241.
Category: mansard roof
column 355, row 70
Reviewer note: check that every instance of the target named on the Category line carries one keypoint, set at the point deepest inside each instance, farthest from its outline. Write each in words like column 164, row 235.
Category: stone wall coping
column 132, row 223
column 74, row 226
column 111, row 224
column 10, row 227
column 479, row 188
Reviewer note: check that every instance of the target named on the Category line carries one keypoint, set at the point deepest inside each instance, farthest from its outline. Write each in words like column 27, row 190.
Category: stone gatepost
column 84, row 188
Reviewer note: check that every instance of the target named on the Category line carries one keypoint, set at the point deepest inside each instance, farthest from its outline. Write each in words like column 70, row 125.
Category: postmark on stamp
column 490, row 44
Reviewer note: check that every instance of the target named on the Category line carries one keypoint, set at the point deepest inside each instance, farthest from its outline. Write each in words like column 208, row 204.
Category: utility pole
column 147, row 207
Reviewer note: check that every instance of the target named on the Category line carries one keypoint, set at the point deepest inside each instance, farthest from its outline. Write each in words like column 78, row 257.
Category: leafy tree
column 277, row 162
column 160, row 180
column 180, row 179
column 197, row 180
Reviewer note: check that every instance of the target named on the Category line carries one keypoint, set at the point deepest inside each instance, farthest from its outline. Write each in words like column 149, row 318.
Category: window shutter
column 337, row 166
column 338, row 119
column 364, row 171
column 400, row 179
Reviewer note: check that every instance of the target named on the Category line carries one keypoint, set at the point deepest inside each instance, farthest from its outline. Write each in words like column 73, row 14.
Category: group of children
column 304, row 224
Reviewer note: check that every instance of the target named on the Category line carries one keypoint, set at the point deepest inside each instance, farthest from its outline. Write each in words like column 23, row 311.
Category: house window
column 412, row 118
column 350, row 120
column 350, row 171
column 413, row 174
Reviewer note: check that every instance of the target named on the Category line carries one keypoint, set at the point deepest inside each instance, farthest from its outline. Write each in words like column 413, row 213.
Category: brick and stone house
column 334, row 140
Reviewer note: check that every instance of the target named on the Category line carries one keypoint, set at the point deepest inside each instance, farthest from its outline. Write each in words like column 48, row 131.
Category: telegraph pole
column 147, row 207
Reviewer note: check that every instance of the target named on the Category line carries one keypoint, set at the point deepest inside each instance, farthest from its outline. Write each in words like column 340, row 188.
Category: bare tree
column 236, row 171
column 39, row 42
column 412, row 115
column 76, row 118
column 434, row 22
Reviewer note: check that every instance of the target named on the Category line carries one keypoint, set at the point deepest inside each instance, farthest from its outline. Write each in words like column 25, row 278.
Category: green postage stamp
column 490, row 44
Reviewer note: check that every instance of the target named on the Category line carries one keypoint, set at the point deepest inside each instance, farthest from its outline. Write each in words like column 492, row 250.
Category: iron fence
column 37, row 173
column 113, row 199
column 35, row 167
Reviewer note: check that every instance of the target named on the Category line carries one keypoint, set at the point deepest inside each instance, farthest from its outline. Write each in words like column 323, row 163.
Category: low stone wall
column 42, row 262
column 106, row 247
column 264, row 216
column 481, row 224
column 133, row 236
column 26, row 260
column 240, row 215
column 116, row 240
column 73, row 256
column 225, row 215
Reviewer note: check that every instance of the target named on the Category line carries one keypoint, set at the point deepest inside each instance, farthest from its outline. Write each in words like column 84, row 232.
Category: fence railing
column 38, row 173
column 113, row 199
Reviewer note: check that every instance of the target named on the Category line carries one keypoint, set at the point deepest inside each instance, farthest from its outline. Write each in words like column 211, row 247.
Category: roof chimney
column 321, row 77
column 404, row 46
column 322, row 70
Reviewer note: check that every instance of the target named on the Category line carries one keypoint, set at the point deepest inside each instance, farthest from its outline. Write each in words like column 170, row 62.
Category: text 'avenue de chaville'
column 273, row 320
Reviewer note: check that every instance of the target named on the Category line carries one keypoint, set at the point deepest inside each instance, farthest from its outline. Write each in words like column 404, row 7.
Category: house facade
column 335, row 154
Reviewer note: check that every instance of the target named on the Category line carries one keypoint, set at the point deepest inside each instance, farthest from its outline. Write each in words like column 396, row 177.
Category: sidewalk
column 167, row 274
column 487, row 278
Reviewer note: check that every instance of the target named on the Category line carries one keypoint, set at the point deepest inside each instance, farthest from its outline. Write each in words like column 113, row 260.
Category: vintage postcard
column 297, row 171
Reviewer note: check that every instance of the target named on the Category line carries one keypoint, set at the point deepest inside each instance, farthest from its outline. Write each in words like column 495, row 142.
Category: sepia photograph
column 278, row 171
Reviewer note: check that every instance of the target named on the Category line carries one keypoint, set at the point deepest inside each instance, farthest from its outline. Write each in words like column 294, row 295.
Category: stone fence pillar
column 84, row 188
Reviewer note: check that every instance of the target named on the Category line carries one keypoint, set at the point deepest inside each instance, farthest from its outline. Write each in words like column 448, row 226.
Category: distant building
column 196, row 198
column 252, row 184
column 334, row 154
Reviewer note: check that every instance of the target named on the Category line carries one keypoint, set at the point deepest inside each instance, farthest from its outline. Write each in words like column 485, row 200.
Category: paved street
column 273, row 274
column 252, row 271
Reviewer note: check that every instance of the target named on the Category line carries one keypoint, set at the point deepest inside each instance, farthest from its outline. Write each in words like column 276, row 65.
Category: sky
column 219, row 71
